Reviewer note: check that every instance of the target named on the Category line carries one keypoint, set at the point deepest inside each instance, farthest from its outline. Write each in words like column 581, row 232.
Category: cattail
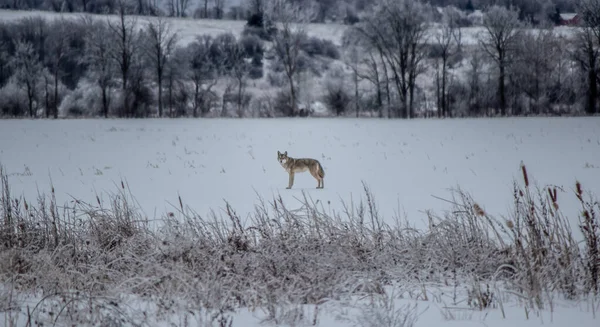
column 25, row 204
column 122, row 185
column 552, row 193
column 579, row 190
column 586, row 215
column 98, row 200
column 478, row 210
column 525, row 177
column 510, row 224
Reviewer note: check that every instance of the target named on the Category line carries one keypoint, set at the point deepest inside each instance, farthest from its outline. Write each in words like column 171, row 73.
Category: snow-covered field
column 405, row 163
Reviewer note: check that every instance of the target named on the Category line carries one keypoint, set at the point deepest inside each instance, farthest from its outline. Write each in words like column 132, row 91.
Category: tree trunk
column 239, row 97
column 56, row 94
column 444, row 77
column 104, row 102
column 47, row 97
column 356, row 93
column 592, row 92
column 501, row 88
column 160, row 92
column 30, row 98
column 196, row 95
column 292, row 94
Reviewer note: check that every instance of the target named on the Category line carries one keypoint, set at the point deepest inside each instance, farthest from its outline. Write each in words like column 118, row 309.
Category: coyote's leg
column 291, row 181
column 322, row 182
column 316, row 176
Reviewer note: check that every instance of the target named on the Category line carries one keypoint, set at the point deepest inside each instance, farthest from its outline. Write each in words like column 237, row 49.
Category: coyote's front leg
column 291, row 181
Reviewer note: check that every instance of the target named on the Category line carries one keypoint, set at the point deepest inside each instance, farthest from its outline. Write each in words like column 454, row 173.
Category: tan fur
column 299, row 165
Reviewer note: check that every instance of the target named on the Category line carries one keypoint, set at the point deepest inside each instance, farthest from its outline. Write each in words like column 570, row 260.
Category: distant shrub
column 337, row 98
column 13, row 101
column 282, row 103
column 276, row 79
column 257, row 25
column 252, row 46
column 319, row 47
column 255, row 72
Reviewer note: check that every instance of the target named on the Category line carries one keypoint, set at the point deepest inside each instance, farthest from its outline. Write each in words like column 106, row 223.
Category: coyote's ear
column 285, row 153
column 278, row 153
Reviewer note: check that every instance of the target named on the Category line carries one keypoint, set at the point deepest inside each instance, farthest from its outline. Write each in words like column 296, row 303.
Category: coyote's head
column 282, row 157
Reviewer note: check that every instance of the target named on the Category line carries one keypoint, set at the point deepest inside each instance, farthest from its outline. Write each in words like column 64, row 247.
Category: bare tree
column 398, row 30
column 287, row 41
column 202, row 71
column 536, row 61
column 125, row 43
column 219, row 7
column 159, row 46
column 353, row 56
column 586, row 55
column 97, row 54
column 448, row 40
column 588, row 40
column 56, row 48
column 28, row 69
column 501, row 27
column 178, row 8
column 239, row 71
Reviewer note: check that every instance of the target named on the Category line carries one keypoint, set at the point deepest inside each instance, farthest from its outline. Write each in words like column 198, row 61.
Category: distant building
column 569, row 19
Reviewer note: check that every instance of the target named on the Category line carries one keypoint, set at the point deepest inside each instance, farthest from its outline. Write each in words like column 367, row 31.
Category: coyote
column 299, row 165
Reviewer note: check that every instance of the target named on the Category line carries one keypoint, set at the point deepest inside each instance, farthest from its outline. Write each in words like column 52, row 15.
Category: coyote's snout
column 293, row 165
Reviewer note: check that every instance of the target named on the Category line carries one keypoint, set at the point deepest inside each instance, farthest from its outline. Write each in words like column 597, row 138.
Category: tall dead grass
column 304, row 255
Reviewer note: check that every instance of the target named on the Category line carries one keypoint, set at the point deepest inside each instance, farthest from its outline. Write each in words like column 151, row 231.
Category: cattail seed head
column 478, row 210
column 586, row 215
column 525, row 177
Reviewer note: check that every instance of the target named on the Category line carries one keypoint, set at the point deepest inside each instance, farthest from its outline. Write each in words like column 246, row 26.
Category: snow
column 209, row 161
column 409, row 165
column 365, row 312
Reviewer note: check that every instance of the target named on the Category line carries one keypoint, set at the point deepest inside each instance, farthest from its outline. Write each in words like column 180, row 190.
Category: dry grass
column 84, row 253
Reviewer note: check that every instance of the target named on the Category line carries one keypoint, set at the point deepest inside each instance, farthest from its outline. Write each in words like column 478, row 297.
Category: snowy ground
column 392, row 311
column 207, row 161
column 404, row 163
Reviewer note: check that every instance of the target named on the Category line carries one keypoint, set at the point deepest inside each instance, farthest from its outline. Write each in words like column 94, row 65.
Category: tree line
column 404, row 59
column 512, row 68
column 326, row 10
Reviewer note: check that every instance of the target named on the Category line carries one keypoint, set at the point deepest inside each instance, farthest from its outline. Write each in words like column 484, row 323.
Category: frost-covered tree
column 28, row 71
column 534, row 69
column 97, row 54
column 287, row 42
column 398, row 30
column 202, row 71
column 448, row 41
column 159, row 44
column 125, row 44
column 501, row 26
column 588, row 40
column 56, row 47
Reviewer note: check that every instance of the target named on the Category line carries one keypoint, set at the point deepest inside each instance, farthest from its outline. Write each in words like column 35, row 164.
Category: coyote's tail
column 321, row 172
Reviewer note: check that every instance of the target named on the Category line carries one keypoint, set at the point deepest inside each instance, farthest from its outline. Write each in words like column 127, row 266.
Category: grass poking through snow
column 83, row 261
